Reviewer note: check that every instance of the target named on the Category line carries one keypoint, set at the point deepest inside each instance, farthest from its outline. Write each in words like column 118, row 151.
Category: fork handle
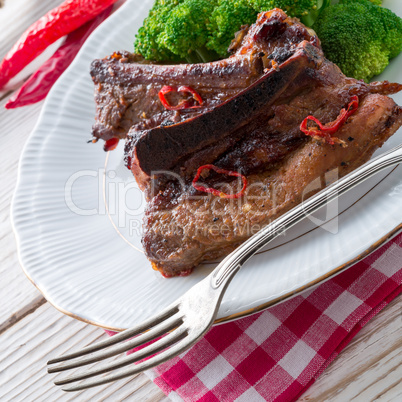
column 225, row 271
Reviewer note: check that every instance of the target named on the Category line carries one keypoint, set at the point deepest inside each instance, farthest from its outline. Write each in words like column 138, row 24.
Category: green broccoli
column 146, row 38
column 201, row 30
column 185, row 30
column 360, row 37
column 227, row 14
column 306, row 10
column 226, row 19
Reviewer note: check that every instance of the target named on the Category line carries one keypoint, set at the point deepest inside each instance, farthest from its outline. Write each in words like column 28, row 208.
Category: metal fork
column 185, row 321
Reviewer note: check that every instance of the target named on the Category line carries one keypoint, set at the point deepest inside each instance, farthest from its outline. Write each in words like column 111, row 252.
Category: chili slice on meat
column 184, row 104
column 326, row 131
column 215, row 191
column 110, row 144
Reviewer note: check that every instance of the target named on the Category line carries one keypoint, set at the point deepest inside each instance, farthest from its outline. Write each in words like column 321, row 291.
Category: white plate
column 87, row 259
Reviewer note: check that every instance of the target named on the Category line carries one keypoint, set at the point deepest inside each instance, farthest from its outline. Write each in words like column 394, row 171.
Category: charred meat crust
column 175, row 142
column 235, row 72
column 126, row 94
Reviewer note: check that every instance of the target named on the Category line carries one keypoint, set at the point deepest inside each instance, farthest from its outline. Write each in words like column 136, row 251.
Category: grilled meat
column 184, row 146
column 182, row 229
column 127, row 86
column 249, row 125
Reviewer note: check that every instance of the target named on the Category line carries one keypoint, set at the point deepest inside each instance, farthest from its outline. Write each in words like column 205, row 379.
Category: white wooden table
column 32, row 331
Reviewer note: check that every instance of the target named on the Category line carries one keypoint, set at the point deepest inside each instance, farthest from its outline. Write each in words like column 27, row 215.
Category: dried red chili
column 184, row 104
column 57, row 23
column 326, row 130
column 213, row 190
column 39, row 84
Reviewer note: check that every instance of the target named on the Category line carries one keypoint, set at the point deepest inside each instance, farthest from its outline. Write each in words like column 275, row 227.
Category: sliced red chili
column 215, row 191
column 326, row 130
column 110, row 144
column 184, row 104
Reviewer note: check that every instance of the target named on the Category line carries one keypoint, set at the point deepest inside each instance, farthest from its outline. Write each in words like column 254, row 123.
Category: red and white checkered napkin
column 277, row 354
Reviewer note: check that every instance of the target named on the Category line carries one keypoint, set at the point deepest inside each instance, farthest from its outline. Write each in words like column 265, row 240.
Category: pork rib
column 179, row 146
column 127, row 86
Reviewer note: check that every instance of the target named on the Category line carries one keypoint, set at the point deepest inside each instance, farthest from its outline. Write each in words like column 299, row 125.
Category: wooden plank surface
column 32, row 331
column 369, row 369
column 16, row 291
column 26, row 347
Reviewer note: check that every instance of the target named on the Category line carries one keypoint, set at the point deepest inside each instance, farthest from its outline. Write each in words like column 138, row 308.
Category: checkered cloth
column 277, row 354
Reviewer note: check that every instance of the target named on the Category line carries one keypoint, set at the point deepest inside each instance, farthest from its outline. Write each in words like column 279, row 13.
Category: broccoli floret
column 291, row 7
column 229, row 15
column 360, row 37
column 306, row 10
column 376, row 2
column 226, row 19
column 146, row 38
column 185, row 32
column 202, row 30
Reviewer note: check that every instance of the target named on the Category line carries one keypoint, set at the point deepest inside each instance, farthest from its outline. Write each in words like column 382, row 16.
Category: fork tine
column 152, row 362
column 154, row 333
column 129, row 333
column 149, row 350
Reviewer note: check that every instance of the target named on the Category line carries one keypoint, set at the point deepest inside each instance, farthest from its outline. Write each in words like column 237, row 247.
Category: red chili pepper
column 217, row 192
column 57, row 23
column 110, row 144
column 39, row 84
column 325, row 130
column 184, row 104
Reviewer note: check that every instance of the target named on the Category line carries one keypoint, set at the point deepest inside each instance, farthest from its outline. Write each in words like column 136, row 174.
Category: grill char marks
column 178, row 146
column 126, row 94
